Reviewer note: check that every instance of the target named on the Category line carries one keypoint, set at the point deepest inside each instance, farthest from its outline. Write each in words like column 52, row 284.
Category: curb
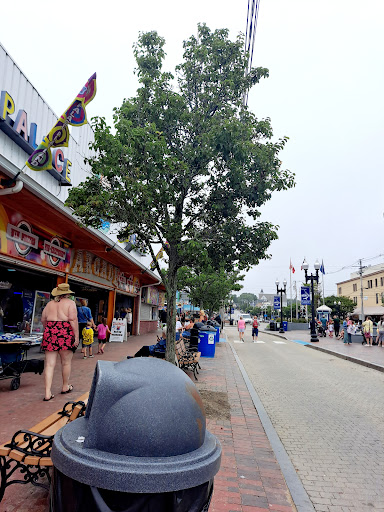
column 355, row 360
column 362, row 362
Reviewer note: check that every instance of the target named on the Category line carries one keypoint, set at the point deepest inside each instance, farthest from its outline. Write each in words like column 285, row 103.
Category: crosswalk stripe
column 259, row 341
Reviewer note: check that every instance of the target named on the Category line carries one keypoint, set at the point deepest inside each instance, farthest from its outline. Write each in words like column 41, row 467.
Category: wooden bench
column 187, row 359
column 30, row 450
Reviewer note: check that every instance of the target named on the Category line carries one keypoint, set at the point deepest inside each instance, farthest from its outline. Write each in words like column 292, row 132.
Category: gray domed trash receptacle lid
column 144, row 431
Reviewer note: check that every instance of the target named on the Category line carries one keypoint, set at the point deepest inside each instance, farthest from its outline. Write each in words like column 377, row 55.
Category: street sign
column 276, row 302
column 305, row 296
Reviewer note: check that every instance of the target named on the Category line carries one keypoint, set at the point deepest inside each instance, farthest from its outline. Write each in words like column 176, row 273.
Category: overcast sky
column 325, row 92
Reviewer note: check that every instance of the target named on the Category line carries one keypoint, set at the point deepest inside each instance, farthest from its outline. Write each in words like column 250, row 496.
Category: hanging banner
column 305, row 296
column 75, row 115
column 276, row 302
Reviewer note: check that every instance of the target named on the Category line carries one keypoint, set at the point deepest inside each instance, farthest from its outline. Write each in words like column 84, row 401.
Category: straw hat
column 62, row 289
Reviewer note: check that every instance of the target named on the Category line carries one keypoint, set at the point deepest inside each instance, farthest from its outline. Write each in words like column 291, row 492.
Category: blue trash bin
column 207, row 338
column 285, row 326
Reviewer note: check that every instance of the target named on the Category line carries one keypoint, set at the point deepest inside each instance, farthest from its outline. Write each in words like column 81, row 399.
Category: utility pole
column 361, row 290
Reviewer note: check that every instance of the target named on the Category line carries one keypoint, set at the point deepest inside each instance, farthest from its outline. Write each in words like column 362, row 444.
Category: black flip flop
column 70, row 388
column 48, row 399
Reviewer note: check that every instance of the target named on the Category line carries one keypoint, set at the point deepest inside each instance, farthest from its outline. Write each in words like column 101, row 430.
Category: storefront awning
column 40, row 207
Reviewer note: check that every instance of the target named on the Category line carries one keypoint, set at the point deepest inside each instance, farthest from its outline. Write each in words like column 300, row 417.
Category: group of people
column 64, row 324
column 349, row 327
column 241, row 327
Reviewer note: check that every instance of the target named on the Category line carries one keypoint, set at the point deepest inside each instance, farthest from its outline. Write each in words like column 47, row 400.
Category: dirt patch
column 216, row 404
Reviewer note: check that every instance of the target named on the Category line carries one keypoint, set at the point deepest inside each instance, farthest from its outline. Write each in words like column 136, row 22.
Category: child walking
column 87, row 339
column 102, row 331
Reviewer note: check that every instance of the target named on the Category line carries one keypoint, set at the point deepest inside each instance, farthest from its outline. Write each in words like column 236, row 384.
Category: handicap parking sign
column 305, row 296
column 276, row 302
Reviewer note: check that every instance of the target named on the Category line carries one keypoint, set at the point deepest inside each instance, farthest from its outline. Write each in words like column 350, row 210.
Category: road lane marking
column 279, row 342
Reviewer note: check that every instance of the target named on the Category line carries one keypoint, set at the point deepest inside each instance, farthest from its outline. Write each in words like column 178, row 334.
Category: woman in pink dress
column 241, row 328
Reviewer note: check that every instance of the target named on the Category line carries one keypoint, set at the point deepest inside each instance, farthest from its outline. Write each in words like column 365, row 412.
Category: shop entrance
column 23, row 296
column 97, row 299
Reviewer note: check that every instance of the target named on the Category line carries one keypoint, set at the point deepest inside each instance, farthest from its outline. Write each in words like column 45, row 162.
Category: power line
column 250, row 34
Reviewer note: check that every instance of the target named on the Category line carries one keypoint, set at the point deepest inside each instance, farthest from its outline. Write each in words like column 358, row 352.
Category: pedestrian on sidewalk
column 368, row 330
column 336, row 324
column 129, row 322
column 102, row 331
column 88, row 339
column 347, row 327
column 241, row 328
column 330, row 328
column 380, row 331
column 255, row 329
column 61, row 335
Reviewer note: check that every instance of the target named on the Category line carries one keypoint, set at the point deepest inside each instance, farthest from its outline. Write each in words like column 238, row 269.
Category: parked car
column 247, row 318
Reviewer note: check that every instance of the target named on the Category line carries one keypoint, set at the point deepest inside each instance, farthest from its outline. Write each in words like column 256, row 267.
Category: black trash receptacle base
column 68, row 495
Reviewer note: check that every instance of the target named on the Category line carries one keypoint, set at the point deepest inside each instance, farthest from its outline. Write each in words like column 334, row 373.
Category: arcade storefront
column 41, row 246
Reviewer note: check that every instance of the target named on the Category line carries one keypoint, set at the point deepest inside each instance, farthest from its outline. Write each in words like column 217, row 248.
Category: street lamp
column 337, row 305
column 281, row 291
column 312, row 278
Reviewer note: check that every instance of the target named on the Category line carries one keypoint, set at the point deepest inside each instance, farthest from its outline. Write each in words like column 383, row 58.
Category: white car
column 247, row 318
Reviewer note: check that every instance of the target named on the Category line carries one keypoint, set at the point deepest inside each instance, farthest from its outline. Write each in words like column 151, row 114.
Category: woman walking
column 368, row 331
column 61, row 335
column 241, row 329
column 129, row 321
column 380, row 332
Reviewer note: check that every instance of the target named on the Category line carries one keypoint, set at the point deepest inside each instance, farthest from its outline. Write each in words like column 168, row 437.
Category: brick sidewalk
column 249, row 480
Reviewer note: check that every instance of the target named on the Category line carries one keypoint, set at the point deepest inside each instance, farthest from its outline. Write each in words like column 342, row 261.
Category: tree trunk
column 171, row 314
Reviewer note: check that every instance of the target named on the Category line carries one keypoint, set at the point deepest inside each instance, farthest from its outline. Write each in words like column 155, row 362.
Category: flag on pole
column 75, row 115
column 159, row 255
column 291, row 267
column 322, row 270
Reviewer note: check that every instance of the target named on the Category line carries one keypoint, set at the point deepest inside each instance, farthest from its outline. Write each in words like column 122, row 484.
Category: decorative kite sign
column 75, row 115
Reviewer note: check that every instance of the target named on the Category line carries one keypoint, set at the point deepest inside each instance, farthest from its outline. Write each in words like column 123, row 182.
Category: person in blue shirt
column 323, row 321
column 84, row 315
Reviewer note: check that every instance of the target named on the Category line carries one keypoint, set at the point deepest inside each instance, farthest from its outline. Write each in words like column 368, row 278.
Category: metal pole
column 290, row 286
column 361, row 291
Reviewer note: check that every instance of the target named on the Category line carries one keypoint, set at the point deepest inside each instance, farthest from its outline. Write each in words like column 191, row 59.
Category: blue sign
column 305, row 296
column 276, row 302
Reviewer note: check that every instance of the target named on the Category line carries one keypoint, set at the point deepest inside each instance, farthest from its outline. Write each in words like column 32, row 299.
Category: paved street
column 328, row 413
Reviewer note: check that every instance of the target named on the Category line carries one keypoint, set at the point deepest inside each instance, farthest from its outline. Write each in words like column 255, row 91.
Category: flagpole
column 290, row 286
column 323, row 289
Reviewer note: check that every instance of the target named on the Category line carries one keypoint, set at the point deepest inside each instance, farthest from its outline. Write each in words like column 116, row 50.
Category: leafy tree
column 207, row 286
column 187, row 165
column 346, row 305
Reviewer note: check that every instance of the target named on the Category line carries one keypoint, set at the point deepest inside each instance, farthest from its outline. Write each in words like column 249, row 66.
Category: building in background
column 368, row 286
column 41, row 243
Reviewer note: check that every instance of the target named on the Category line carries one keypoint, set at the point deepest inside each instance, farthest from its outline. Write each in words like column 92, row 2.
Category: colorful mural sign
column 35, row 243
column 152, row 295
column 89, row 266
